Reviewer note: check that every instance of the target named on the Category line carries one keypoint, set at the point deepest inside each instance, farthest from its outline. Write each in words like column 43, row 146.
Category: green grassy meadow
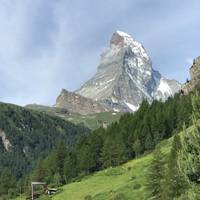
column 94, row 121
column 127, row 180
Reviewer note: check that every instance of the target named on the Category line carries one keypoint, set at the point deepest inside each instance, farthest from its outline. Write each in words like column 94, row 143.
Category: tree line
column 177, row 176
column 127, row 139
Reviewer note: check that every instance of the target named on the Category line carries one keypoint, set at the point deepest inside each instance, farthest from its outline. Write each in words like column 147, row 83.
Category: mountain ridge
column 125, row 77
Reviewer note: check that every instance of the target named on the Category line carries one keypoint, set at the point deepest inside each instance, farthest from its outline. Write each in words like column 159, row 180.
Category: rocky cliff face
column 6, row 143
column 75, row 103
column 125, row 77
column 195, row 77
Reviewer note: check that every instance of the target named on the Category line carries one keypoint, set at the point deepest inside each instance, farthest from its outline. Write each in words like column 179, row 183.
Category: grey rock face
column 75, row 103
column 195, row 77
column 125, row 77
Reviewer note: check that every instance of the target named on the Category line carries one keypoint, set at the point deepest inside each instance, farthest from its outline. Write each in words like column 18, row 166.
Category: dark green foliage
column 32, row 136
column 7, row 183
column 70, row 166
column 88, row 197
column 189, row 156
column 137, row 147
column 155, row 176
column 175, row 181
column 182, row 174
column 114, row 151
column 130, row 137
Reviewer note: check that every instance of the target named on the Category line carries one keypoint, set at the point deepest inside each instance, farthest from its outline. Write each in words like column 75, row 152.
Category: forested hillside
column 170, row 172
column 134, row 135
column 131, row 137
column 25, row 137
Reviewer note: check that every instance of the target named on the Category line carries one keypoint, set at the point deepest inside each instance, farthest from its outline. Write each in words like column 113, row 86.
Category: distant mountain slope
column 125, row 77
column 92, row 121
column 76, row 103
column 27, row 135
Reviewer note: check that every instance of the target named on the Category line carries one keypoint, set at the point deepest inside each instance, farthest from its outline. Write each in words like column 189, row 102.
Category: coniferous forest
column 133, row 136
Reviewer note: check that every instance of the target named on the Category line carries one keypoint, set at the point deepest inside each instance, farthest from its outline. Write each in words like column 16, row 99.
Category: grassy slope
column 91, row 121
column 128, row 179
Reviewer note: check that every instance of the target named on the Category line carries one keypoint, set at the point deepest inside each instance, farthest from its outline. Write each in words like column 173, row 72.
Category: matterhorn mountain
column 124, row 78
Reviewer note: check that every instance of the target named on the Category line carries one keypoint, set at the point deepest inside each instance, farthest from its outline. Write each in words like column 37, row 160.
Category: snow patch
column 164, row 88
column 132, row 107
column 116, row 110
column 138, row 84
column 123, row 34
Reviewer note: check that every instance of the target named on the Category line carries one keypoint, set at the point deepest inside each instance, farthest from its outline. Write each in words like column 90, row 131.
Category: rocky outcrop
column 195, row 77
column 76, row 103
column 6, row 143
column 125, row 77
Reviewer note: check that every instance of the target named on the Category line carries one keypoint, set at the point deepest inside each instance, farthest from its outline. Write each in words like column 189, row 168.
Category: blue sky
column 47, row 45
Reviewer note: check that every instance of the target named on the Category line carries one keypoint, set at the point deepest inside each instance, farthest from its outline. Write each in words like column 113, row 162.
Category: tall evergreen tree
column 7, row 182
column 60, row 156
column 154, row 182
column 137, row 147
column 189, row 156
column 175, row 181
column 70, row 166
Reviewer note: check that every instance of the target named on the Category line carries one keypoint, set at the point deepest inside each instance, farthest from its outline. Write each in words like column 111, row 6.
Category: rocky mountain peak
column 120, row 38
column 125, row 77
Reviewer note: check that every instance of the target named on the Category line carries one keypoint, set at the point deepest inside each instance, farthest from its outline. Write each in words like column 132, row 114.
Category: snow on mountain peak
column 120, row 38
column 125, row 76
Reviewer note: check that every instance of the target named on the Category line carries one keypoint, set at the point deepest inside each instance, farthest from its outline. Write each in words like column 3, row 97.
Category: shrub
column 88, row 197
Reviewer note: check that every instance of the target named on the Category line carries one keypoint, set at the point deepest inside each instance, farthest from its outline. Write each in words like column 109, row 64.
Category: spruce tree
column 149, row 143
column 137, row 147
column 175, row 181
column 60, row 156
column 7, row 181
column 154, row 183
column 70, row 166
column 189, row 156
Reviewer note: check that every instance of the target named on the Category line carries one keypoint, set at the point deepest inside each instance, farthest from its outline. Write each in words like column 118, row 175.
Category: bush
column 136, row 186
column 88, row 197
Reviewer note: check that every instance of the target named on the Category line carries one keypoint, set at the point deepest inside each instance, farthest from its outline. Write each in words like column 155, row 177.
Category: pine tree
column 189, row 156
column 196, row 104
column 175, row 181
column 7, row 181
column 114, row 152
column 155, row 176
column 60, row 156
column 70, row 166
column 137, row 147
column 40, row 172
column 149, row 143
